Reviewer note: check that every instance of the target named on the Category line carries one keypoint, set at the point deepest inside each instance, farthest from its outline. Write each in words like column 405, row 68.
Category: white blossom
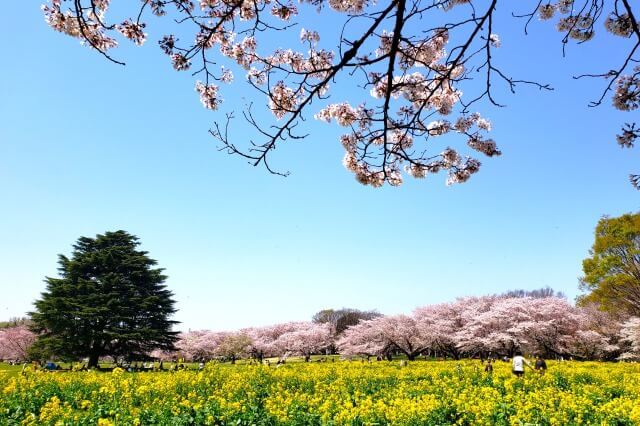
column 309, row 36
column 208, row 95
column 494, row 39
column 282, row 100
column 133, row 31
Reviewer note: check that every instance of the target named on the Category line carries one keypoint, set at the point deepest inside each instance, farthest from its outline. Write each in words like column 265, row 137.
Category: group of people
column 518, row 363
column 145, row 366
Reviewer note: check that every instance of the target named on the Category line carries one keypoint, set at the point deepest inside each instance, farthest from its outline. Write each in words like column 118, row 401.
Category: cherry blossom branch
column 416, row 84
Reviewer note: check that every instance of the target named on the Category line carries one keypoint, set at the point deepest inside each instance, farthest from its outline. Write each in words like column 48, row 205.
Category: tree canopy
column 108, row 300
column 539, row 293
column 15, row 342
column 341, row 319
column 612, row 272
column 411, row 59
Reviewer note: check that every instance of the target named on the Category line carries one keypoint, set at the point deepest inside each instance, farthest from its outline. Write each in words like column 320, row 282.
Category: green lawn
column 10, row 370
column 14, row 370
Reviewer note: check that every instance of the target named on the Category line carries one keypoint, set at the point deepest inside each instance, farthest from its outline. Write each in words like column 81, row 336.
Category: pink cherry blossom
column 15, row 343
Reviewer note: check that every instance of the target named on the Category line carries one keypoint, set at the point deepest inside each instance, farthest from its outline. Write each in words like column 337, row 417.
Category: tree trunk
column 93, row 359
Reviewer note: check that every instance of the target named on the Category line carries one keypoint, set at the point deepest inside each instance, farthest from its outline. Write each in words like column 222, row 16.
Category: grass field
column 13, row 370
column 329, row 393
column 9, row 370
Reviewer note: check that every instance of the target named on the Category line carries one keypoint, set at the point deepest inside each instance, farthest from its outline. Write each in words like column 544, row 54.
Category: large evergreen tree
column 109, row 300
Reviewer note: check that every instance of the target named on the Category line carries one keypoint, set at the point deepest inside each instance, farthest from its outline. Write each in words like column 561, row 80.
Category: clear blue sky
column 87, row 146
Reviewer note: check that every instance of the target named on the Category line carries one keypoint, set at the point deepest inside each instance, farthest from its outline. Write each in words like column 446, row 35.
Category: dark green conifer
column 108, row 300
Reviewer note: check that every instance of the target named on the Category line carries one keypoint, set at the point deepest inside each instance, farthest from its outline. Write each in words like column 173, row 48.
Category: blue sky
column 87, row 146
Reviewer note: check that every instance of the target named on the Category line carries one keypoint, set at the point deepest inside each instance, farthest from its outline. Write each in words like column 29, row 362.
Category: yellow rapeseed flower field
column 340, row 393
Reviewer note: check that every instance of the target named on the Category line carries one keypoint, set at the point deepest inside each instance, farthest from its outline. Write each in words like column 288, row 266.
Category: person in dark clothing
column 540, row 365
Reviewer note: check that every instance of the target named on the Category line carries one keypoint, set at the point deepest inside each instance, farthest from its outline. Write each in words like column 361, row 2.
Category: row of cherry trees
column 280, row 340
column 468, row 327
column 490, row 325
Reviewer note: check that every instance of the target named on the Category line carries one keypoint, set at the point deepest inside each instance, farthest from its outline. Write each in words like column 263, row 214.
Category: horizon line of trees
column 110, row 300
column 539, row 321
column 496, row 325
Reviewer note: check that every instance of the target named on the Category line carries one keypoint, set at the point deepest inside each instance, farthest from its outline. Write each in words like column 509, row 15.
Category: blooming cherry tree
column 598, row 335
column 162, row 355
column 15, row 343
column 201, row 344
column 264, row 340
column 630, row 332
column 383, row 335
column 306, row 339
column 365, row 339
column 491, row 324
column 445, row 324
column 234, row 346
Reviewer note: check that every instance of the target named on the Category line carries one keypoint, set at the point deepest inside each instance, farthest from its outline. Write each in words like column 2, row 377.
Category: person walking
column 518, row 364
column 540, row 365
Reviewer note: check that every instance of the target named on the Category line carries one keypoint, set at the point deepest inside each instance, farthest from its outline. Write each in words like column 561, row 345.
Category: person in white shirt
column 518, row 364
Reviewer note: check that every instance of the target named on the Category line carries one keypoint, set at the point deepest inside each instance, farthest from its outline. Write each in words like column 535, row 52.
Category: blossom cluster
column 133, row 31
column 89, row 29
column 345, row 115
column 627, row 94
column 619, row 24
column 419, row 92
column 208, row 95
column 348, row 6
column 282, row 100
column 577, row 26
column 628, row 136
